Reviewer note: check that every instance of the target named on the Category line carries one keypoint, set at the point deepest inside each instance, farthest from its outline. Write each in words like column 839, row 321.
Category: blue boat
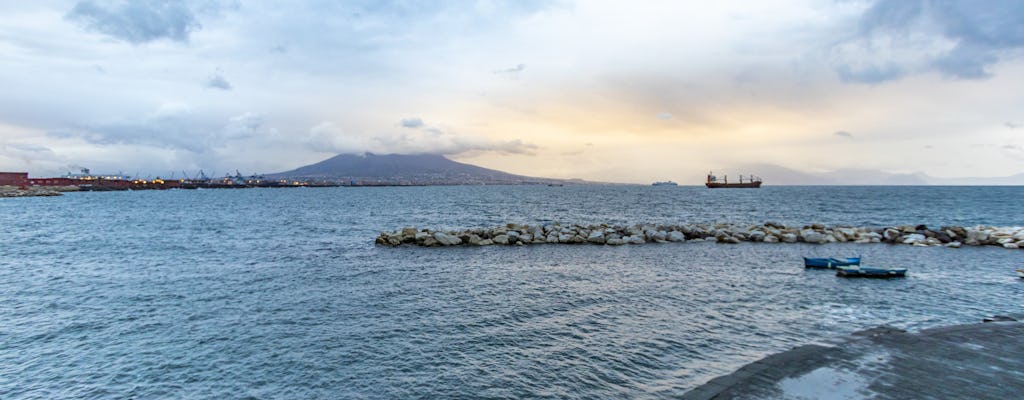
column 830, row 262
column 857, row 271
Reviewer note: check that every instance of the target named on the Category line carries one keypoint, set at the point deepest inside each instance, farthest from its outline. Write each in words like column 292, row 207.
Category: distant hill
column 403, row 169
column 776, row 175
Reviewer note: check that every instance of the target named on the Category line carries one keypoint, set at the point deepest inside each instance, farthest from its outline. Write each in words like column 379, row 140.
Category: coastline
column 35, row 191
column 888, row 363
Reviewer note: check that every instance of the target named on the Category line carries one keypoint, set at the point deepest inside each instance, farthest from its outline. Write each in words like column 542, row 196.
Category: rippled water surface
column 280, row 293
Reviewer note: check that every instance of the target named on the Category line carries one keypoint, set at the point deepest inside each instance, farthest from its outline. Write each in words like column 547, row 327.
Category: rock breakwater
column 14, row 191
column 769, row 232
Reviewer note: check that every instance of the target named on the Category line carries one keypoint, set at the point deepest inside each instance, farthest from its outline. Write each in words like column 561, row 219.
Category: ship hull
column 719, row 185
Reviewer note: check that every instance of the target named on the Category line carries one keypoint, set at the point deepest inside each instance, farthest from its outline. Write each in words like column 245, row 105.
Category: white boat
column 665, row 183
column 1021, row 273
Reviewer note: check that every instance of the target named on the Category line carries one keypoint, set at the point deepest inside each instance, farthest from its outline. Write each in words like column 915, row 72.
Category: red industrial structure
column 19, row 179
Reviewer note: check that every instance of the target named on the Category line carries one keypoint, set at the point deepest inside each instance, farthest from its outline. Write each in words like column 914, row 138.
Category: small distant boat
column 712, row 182
column 1021, row 273
column 830, row 262
column 665, row 183
column 857, row 271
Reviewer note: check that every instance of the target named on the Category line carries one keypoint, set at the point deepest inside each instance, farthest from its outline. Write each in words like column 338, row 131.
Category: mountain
column 404, row 169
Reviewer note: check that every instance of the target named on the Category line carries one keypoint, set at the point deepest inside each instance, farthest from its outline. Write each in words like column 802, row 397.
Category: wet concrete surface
column 974, row 361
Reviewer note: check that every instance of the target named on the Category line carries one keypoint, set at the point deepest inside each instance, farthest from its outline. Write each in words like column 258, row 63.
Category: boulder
column 955, row 245
column 913, row 238
column 615, row 241
column 770, row 239
column 676, row 236
column 789, row 237
column 811, row 236
column 634, row 239
column 596, row 237
column 501, row 239
column 1010, row 246
column 486, row 242
column 890, row 234
column 445, row 239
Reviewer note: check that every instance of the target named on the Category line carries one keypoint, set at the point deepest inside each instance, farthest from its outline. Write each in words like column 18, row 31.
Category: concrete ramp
column 975, row 361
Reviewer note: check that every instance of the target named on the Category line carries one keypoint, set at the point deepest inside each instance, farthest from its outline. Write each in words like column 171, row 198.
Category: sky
column 601, row 90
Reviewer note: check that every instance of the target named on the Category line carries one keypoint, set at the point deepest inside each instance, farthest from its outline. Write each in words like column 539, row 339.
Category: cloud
column 665, row 115
column 513, row 72
column 844, row 134
column 173, row 126
column 27, row 148
column 414, row 122
column 217, row 81
column 328, row 137
column 137, row 21
column 1013, row 124
column 959, row 39
column 1013, row 151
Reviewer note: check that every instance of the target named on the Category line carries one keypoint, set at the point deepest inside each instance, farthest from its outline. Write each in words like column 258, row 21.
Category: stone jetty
column 769, row 232
column 14, row 191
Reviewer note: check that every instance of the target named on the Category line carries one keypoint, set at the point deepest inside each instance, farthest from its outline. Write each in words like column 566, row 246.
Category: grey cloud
column 513, row 72
column 844, row 134
column 328, row 137
column 1013, row 124
column 173, row 127
column 870, row 74
column 137, row 21
column 665, row 115
column 28, row 148
column 957, row 38
column 217, row 81
column 414, row 122
column 1014, row 151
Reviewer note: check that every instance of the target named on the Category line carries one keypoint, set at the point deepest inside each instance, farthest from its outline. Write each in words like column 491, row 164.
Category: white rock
column 615, row 241
column 811, row 236
column 501, row 239
column 676, row 236
column 914, row 238
column 552, row 238
column 596, row 237
column 770, row 239
column 1010, row 246
column 634, row 239
column 757, row 236
column 789, row 238
column 955, row 245
column 486, row 242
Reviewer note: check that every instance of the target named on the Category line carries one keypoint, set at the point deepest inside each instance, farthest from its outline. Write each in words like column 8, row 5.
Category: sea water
column 280, row 293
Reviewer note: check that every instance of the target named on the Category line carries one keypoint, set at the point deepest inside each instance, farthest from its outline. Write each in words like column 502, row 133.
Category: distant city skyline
column 596, row 90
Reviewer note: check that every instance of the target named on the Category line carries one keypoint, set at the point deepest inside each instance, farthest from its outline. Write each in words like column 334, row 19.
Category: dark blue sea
column 281, row 293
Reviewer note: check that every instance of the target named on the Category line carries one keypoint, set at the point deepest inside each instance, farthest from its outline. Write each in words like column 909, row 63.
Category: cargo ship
column 752, row 182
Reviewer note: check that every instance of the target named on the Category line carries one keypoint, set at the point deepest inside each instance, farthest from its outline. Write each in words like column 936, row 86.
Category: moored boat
column 1021, row 273
column 830, row 262
column 858, row 271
